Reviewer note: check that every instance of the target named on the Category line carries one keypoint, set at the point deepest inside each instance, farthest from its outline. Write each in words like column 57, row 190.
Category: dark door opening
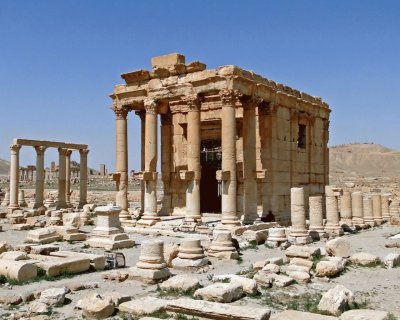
column 210, row 189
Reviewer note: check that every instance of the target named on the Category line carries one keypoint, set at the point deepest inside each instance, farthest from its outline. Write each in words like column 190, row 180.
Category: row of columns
column 228, row 174
column 63, row 177
column 355, row 210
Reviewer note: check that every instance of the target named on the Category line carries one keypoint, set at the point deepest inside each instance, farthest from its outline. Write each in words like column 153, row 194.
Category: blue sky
column 59, row 60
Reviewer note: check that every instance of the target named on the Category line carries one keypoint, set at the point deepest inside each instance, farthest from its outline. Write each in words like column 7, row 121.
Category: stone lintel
column 49, row 144
column 136, row 76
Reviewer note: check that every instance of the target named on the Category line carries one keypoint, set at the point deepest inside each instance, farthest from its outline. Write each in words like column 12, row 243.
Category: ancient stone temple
column 232, row 142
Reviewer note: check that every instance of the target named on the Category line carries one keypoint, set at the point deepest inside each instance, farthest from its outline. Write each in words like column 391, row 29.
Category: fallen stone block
column 336, row 300
column 143, row 306
column 220, row 292
column 300, row 315
column 18, row 270
column 181, row 282
column 54, row 296
column 338, row 247
column 249, row 285
column 114, row 275
column 96, row 305
column 97, row 261
column 302, row 252
column 364, row 259
column 271, row 268
column 11, row 299
column 43, row 236
column 330, row 268
column 74, row 286
column 55, row 266
column 299, row 276
column 364, row 314
column 215, row 310
column 14, row 255
column 392, row 260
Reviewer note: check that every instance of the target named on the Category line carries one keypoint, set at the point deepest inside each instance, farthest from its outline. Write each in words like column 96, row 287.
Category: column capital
column 192, row 101
column 15, row 147
column 40, row 149
column 150, row 105
column 141, row 114
column 251, row 102
column 62, row 151
column 121, row 112
column 229, row 97
column 83, row 151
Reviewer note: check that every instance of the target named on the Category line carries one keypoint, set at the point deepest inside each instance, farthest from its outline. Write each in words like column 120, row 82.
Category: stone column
column 193, row 158
column 39, row 188
column 250, row 214
column 121, row 142
column 357, row 209
column 298, row 232
column 150, row 216
column 228, row 142
column 345, row 209
column 385, row 207
column 14, row 177
column 142, row 116
column 83, row 167
column 62, row 154
column 316, row 228
column 368, row 212
column 377, row 209
column 166, row 150
column 68, row 178
column 332, row 226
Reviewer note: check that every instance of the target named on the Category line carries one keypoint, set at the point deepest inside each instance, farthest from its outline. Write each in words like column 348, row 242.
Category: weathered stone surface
column 181, row 282
column 330, row 268
column 336, row 299
column 249, row 285
column 96, row 306
column 364, row 314
column 280, row 280
column 214, row 310
column 43, row 236
column 263, row 278
column 37, row 307
column 295, row 268
column 299, row 276
column 115, row 275
column 300, row 315
column 392, row 260
column 14, row 255
column 271, row 268
column 220, row 292
column 54, row 296
column 11, row 299
column 75, row 286
column 364, row 259
column 302, row 252
column 302, row 262
column 18, row 270
column 143, row 306
column 179, row 263
column 258, row 265
column 171, row 251
column 338, row 247
column 97, row 261
column 149, row 275
column 255, row 236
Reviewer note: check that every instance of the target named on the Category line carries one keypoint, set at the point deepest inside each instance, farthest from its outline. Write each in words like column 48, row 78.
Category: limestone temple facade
column 232, row 142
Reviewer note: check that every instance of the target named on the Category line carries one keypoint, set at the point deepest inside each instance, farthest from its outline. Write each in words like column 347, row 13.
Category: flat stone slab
column 149, row 275
column 179, row 263
column 302, row 252
column 364, row 314
column 97, row 261
column 56, row 266
column 220, row 292
column 114, row 242
column 143, row 306
column 299, row 315
column 181, row 282
column 249, row 285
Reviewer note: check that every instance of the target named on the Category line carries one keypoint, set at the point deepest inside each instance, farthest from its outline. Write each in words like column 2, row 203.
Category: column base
column 378, row 221
column 386, row 217
column 61, row 205
column 334, row 230
column 12, row 208
column 148, row 221
column 370, row 222
column 196, row 219
column 251, row 219
column 38, row 205
column 81, row 204
column 300, row 240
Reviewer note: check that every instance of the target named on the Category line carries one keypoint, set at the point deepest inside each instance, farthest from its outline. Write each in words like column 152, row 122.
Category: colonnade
column 64, row 175
column 192, row 176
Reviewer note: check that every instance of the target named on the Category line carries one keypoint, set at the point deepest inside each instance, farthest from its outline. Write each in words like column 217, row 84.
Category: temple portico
column 232, row 142
column 64, row 150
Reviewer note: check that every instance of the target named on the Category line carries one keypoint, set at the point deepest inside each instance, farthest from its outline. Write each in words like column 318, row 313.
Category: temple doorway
column 210, row 188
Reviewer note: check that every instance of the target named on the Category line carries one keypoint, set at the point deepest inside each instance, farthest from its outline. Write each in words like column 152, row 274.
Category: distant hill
column 364, row 160
column 4, row 167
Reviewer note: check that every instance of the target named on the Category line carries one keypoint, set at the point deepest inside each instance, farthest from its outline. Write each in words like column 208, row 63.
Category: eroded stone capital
column 15, row 148
column 193, row 102
column 229, row 97
column 83, row 151
column 121, row 111
column 40, row 150
column 62, row 151
column 150, row 105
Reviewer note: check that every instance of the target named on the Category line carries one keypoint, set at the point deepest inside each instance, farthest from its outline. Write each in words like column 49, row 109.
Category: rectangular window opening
column 302, row 137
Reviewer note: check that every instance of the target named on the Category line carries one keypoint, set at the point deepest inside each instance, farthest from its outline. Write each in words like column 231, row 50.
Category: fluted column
column 377, row 209
column 228, row 142
column 166, row 151
column 357, row 209
column 121, row 143
column 83, row 167
column 316, row 229
column 14, row 177
column 250, row 214
column 368, row 212
column 62, row 154
column 68, row 178
column 332, row 226
column 142, row 115
column 193, row 158
column 39, row 188
column 385, row 207
column 298, row 231
column 345, row 209
column 150, row 215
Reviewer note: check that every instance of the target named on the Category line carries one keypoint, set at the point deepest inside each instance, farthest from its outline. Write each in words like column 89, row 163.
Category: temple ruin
column 232, row 142
column 64, row 175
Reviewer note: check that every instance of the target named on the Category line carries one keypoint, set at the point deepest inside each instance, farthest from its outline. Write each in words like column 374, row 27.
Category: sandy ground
column 378, row 287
